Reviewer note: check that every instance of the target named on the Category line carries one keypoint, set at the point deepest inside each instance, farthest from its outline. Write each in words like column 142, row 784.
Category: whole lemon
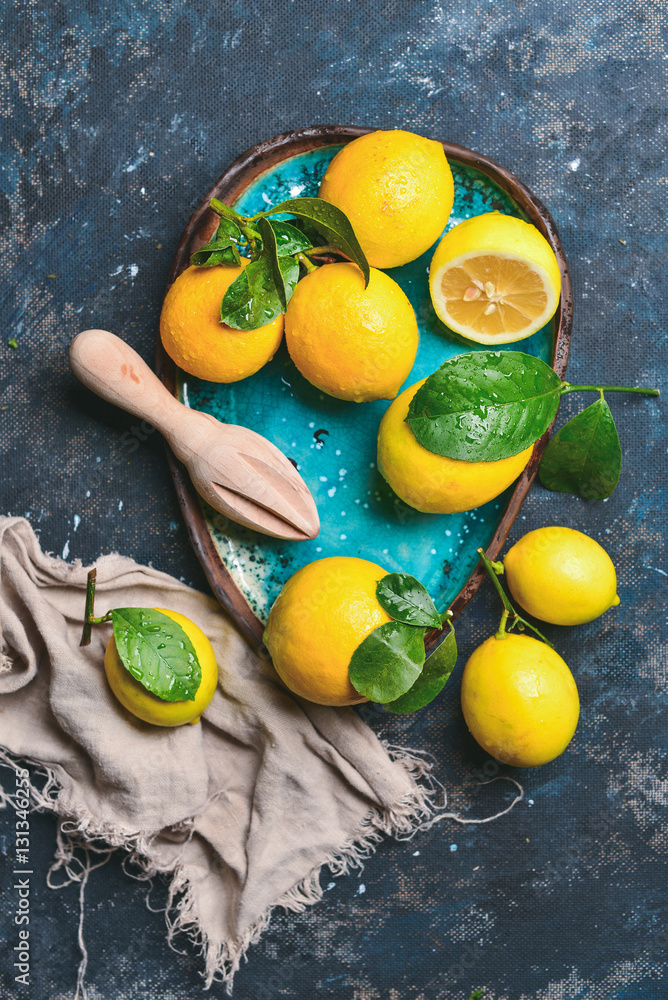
column 494, row 279
column 433, row 483
column 148, row 706
column 520, row 700
column 194, row 337
column 352, row 342
column 397, row 190
column 317, row 622
column 561, row 576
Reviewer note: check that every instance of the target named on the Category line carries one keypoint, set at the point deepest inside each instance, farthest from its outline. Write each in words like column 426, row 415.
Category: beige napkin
column 243, row 810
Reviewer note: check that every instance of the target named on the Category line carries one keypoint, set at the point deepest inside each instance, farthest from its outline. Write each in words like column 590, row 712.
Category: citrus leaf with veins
column 406, row 600
column 331, row 222
column 485, row 405
column 387, row 663
column 223, row 248
column 585, row 456
column 437, row 669
column 253, row 300
column 157, row 652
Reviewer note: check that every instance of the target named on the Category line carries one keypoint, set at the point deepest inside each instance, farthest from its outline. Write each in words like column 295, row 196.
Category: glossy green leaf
column 253, row 299
column 308, row 230
column 485, row 405
column 270, row 254
column 223, row 248
column 437, row 668
column 331, row 222
column 406, row 600
column 289, row 239
column 157, row 652
column 585, row 456
column 387, row 663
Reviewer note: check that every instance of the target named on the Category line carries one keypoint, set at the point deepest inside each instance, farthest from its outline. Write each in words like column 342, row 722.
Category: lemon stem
column 90, row 603
column 250, row 232
column 321, row 251
column 89, row 612
column 501, row 631
column 508, row 610
column 220, row 208
column 303, row 259
column 567, row 387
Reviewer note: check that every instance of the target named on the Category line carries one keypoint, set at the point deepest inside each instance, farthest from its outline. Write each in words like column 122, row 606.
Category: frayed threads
column 417, row 811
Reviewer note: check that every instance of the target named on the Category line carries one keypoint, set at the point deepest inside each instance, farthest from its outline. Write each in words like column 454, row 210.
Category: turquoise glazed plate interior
column 333, row 442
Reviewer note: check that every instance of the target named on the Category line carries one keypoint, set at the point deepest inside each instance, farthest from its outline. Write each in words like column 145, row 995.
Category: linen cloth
column 242, row 810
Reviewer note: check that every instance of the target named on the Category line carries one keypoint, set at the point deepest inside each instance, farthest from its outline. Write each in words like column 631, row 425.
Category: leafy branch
column 484, row 406
column 276, row 249
column 510, row 619
column 390, row 666
column 152, row 647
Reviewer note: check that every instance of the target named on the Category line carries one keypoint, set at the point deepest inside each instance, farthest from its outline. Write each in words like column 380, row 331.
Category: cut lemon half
column 494, row 279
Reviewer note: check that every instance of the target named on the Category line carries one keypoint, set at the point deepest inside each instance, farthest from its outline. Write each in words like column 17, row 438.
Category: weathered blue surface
column 115, row 119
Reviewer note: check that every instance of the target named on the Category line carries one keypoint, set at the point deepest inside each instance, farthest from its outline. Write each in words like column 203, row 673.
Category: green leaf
column 289, row 239
column 437, row 668
column 585, row 456
column 485, row 405
column 308, row 230
column 270, row 254
column 157, row 652
column 253, row 300
column 331, row 222
column 387, row 663
column 222, row 248
column 406, row 600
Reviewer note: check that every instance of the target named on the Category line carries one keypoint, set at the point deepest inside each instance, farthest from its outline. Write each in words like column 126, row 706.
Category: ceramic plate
column 334, row 442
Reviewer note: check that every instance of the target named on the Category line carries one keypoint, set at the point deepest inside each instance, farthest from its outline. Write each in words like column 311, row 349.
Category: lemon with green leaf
column 194, row 336
column 322, row 614
column 142, row 657
column 159, row 664
column 519, row 697
column 434, row 483
column 342, row 631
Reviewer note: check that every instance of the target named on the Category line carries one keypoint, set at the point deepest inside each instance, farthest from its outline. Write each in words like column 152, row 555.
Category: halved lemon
column 494, row 279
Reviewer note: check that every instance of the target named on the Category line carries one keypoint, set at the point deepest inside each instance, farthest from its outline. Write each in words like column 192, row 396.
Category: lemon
column 352, row 342
column 520, row 700
column 397, row 190
column 317, row 622
column 149, row 707
column 561, row 576
column 194, row 337
column 433, row 483
column 494, row 279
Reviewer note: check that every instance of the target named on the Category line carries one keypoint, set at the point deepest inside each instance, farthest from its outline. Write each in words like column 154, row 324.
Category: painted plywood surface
column 115, row 119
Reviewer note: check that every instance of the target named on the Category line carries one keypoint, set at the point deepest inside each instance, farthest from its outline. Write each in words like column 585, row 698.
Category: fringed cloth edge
column 415, row 812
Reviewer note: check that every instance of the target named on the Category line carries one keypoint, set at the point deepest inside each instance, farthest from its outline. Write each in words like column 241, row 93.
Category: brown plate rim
column 245, row 169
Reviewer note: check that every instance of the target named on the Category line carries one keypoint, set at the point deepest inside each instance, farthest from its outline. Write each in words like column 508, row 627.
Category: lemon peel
column 434, row 483
column 397, row 190
column 322, row 614
column 197, row 341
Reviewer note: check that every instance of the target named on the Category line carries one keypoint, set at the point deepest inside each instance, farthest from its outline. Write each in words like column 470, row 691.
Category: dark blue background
column 116, row 118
